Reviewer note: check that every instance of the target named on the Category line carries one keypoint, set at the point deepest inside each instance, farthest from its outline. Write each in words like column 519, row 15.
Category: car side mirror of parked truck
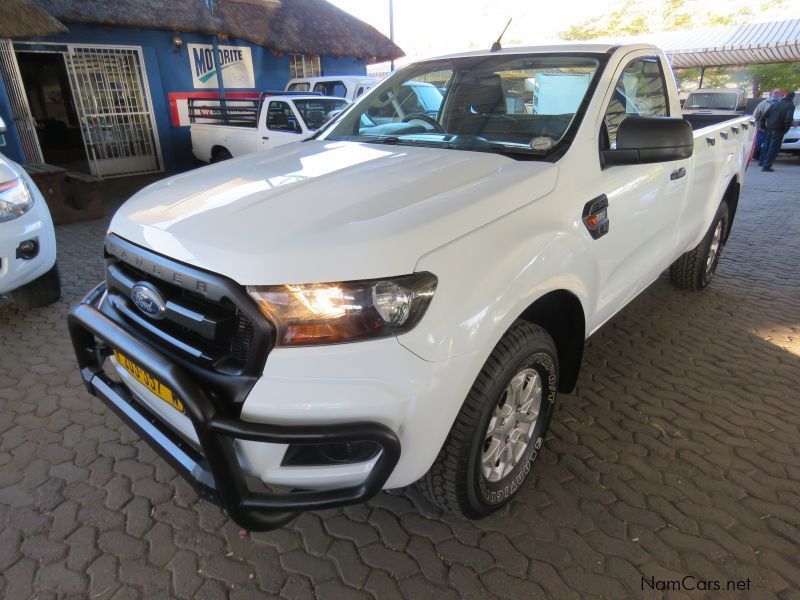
column 2, row 126
column 642, row 140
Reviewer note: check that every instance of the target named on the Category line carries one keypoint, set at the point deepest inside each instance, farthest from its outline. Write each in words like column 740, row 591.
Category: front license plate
column 150, row 382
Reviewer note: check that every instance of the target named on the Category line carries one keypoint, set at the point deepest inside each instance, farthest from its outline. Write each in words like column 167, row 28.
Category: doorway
column 46, row 83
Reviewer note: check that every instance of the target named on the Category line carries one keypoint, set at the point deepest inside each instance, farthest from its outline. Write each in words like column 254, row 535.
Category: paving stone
column 56, row 577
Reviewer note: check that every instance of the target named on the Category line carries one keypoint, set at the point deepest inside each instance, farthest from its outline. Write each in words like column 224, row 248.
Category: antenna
column 496, row 46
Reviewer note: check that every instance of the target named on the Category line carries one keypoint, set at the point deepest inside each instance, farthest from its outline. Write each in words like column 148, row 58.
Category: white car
column 791, row 141
column 28, row 270
column 219, row 133
column 386, row 304
column 345, row 86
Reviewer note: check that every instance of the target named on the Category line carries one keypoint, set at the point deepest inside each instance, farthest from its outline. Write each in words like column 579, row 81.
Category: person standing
column 760, row 110
column 775, row 121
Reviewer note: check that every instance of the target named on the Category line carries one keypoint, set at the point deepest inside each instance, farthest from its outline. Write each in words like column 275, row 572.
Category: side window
column 299, row 87
column 359, row 91
column 281, row 118
column 639, row 91
column 331, row 88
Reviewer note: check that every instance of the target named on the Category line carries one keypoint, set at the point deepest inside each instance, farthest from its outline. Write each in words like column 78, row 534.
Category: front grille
column 213, row 333
column 207, row 319
column 242, row 338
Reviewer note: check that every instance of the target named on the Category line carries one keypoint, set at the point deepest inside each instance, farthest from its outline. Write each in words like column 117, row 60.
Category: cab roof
column 553, row 48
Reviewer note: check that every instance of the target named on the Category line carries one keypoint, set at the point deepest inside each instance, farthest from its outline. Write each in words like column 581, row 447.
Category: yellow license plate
column 150, row 382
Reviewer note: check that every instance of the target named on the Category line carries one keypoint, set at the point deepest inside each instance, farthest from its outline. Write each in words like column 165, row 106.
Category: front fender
column 488, row 278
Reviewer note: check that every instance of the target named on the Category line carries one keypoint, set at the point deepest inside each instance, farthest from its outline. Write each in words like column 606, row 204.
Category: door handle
column 678, row 173
column 264, row 137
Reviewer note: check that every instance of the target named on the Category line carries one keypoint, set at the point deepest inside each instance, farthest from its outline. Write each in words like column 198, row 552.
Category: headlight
column 329, row 313
column 15, row 199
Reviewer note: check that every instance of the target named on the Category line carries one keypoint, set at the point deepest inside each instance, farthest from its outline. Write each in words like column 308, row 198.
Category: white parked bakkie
column 400, row 302
column 28, row 269
column 219, row 133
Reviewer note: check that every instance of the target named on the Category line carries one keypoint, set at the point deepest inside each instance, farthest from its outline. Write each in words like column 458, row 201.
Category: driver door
column 644, row 200
column 281, row 126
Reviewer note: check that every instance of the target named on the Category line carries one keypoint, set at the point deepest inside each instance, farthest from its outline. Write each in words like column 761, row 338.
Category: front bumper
column 791, row 141
column 36, row 225
column 214, row 469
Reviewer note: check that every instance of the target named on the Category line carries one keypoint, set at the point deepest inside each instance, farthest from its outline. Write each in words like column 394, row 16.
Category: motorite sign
column 235, row 62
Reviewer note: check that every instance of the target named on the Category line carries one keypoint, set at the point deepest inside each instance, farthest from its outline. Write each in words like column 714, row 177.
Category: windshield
column 503, row 103
column 712, row 101
column 317, row 112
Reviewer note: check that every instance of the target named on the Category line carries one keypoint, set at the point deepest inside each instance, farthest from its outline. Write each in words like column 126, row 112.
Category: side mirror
column 643, row 140
column 2, row 126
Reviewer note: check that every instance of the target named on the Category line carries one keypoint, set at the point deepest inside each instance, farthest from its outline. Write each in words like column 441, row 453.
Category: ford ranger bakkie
column 402, row 297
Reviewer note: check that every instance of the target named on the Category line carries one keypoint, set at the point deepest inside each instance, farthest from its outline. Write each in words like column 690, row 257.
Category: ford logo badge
column 148, row 300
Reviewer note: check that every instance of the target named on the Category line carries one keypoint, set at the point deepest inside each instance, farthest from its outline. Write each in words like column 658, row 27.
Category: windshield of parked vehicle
column 317, row 112
column 515, row 104
column 712, row 101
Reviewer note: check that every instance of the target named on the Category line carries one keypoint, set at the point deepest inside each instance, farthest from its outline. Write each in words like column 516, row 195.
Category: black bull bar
column 215, row 470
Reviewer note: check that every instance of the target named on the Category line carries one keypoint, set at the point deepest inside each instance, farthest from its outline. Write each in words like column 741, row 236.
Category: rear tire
column 695, row 269
column 39, row 292
column 220, row 155
column 494, row 440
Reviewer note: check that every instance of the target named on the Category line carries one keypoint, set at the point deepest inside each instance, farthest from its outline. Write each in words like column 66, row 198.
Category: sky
column 426, row 28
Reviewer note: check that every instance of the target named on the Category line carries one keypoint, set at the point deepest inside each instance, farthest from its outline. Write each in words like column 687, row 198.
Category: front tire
column 500, row 428
column 39, row 292
column 695, row 269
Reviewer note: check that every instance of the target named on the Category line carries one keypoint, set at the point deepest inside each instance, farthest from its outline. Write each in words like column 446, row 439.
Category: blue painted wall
column 9, row 142
column 169, row 71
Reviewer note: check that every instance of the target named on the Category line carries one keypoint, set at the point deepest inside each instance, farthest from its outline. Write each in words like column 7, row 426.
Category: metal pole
column 702, row 75
column 220, row 85
column 391, row 29
column 215, row 52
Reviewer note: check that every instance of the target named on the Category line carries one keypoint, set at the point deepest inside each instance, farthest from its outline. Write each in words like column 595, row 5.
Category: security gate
column 20, row 109
column 112, row 99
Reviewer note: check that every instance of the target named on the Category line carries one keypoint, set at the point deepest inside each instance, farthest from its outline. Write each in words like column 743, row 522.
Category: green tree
column 767, row 77
column 643, row 16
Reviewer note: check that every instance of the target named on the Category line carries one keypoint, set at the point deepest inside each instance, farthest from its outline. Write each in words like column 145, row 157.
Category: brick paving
column 679, row 454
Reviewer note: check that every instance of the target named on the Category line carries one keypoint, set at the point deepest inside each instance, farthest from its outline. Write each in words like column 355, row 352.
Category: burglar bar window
column 301, row 65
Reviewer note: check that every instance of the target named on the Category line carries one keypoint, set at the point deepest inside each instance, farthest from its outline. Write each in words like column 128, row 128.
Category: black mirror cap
column 643, row 140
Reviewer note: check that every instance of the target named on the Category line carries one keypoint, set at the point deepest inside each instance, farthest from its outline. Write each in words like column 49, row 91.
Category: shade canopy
column 24, row 18
column 768, row 42
column 287, row 27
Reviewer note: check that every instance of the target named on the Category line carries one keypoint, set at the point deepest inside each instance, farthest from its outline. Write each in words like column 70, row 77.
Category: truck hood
column 327, row 211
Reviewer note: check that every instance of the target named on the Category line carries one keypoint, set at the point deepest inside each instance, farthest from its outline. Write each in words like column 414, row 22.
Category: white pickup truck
column 400, row 302
column 28, row 269
column 715, row 101
column 241, row 127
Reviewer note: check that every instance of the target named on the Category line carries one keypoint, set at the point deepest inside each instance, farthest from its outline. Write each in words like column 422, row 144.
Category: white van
column 347, row 86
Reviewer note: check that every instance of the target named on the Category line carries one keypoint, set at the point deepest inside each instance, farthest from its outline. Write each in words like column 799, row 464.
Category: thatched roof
column 306, row 27
column 296, row 26
column 23, row 18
